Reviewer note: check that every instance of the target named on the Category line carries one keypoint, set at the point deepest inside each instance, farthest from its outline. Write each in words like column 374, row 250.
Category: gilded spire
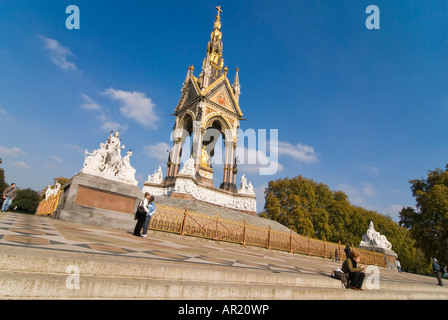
column 213, row 62
column 218, row 19
column 219, row 10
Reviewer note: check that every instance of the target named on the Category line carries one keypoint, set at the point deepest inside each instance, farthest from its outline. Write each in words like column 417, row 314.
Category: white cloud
column 12, row 152
column 368, row 190
column 358, row 195
column 299, row 152
column 89, row 103
column 136, row 106
column 21, row 165
column 368, row 169
column 394, row 209
column 256, row 161
column 75, row 147
column 59, row 54
column 157, row 151
column 102, row 117
column 113, row 126
column 4, row 114
column 57, row 159
column 253, row 160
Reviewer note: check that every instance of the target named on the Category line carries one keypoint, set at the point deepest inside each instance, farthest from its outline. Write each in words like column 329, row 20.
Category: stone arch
column 185, row 130
column 186, row 122
column 217, row 116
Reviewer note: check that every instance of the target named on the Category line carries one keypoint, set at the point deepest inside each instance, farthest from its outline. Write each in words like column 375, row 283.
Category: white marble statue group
column 52, row 191
column 373, row 238
column 189, row 169
column 157, row 177
column 246, row 188
column 244, row 200
column 108, row 163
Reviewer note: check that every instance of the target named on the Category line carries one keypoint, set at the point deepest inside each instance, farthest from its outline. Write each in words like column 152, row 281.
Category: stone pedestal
column 94, row 200
column 391, row 256
column 187, row 187
column 205, row 175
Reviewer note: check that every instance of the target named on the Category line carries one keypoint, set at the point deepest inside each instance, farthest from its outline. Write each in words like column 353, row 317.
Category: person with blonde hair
column 354, row 274
column 152, row 209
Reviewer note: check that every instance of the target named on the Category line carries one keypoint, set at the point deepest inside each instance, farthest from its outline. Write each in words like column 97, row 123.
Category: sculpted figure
column 189, row 167
column 157, row 177
column 48, row 192
column 246, row 187
column 113, row 158
column 52, row 191
column 96, row 161
column 374, row 238
column 107, row 162
column 127, row 172
column 204, row 157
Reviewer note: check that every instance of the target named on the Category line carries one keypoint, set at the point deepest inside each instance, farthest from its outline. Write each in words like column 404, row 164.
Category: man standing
column 398, row 264
column 437, row 271
column 8, row 195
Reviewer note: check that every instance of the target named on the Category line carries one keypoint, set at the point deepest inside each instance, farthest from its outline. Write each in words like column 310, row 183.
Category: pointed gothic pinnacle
column 236, row 81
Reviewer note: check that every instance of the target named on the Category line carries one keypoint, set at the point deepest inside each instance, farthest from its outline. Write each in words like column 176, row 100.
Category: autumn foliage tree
column 3, row 184
column 312, row 209
column 428, row 223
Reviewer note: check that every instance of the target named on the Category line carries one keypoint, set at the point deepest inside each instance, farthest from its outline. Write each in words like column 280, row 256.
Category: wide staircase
column 32, row 273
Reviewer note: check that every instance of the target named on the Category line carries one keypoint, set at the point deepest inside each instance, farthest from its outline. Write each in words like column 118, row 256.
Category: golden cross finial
column 219, row 10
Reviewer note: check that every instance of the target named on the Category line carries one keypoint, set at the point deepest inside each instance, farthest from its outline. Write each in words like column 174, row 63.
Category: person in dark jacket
column 437, row 271
column 354, row 274
column 8, row 195
column 347, row 251
column 141, row 217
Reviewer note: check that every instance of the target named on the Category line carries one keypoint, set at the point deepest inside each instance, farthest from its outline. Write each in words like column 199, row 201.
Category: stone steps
column 53, row 286
column 36, row 274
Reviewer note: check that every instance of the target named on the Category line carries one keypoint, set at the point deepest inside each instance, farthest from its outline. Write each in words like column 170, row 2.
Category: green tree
column 291, row 202
column 26, row 200
column 312, row 209
column 3, row 184
column 428, row 223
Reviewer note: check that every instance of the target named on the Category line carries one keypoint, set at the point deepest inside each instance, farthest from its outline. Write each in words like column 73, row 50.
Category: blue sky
column 363, row 111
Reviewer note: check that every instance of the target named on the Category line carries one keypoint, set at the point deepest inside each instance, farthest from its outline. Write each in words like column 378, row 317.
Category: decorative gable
column 221, row 93
column 189, row 94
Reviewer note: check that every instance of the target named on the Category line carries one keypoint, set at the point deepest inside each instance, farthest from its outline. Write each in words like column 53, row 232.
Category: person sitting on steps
column 354, row 274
